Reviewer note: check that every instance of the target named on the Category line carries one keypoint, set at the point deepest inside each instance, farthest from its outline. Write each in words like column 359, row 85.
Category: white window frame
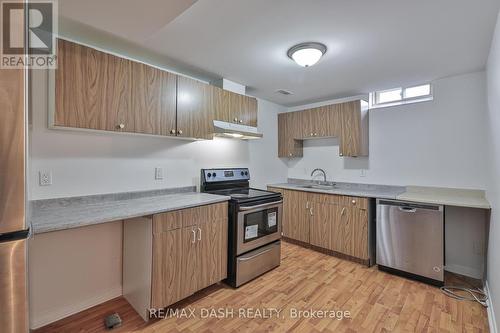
column 374, row 104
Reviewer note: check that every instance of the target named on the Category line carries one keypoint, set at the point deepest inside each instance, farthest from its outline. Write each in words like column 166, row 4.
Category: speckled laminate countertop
column 350, row 189
column 421, row 194
column 65, row 213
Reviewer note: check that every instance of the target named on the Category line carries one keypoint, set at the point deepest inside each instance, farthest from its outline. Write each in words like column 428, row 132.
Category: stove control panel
column 225, row 175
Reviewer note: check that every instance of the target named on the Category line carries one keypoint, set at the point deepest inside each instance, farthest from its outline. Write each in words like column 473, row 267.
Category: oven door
column 258, row 225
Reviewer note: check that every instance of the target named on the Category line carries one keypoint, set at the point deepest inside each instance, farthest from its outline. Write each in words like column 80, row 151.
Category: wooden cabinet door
column 350, row 232
column 283, row 136
column 195, row 112
column 248, row 113
column 92, row 89
column 221, row 101
column 321, row 227
column 212, row 243
column 350, row 115
column 174, row 266
column 306, row 120
column 288, row 130
column 296, row 215
column 153, row 100
column 316, row 123
column 333, row 120
column 235, row 108
column 359, row 239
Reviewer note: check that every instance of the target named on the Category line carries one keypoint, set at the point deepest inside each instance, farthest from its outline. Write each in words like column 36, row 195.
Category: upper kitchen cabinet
column 288, row 124
column 319, row 122
column 153, row 98
column 100, row 91
column 235, row 108
column 92, row 89
column 195, row 108
column 347, row 121
column 354, row 129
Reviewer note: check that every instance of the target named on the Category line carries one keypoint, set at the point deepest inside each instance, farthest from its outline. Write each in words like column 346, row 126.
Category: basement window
column 400, row 96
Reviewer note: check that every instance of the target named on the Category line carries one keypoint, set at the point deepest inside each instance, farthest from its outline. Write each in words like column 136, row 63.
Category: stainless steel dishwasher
column 410, row 239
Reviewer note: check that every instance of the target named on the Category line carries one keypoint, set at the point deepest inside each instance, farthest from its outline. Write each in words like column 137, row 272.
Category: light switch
column 159, row 173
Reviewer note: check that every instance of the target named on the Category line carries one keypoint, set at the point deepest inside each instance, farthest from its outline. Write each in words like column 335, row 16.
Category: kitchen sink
column 320, row 187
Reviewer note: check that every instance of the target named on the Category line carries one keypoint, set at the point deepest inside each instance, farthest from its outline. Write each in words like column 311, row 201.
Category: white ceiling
column 371, row 44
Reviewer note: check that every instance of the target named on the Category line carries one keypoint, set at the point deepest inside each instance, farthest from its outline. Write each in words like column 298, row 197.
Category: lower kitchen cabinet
column 296, row 215
column 332, row 222
column 323, row 216
column 187, row 252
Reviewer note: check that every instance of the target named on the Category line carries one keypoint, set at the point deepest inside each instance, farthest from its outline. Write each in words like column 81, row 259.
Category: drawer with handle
column 257, row 262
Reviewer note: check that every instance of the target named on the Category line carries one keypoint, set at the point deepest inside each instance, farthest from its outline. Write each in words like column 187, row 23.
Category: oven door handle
column 242, row 209
column 255, row 255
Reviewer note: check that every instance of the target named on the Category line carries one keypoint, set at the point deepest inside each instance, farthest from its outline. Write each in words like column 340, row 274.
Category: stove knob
column 242, row 173
column 214, row 174
column 246, row 173
column 209, row 175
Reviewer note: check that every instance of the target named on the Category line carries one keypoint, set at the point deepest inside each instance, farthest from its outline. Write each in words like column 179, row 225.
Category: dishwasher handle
column 407, row 209
column 409, row 205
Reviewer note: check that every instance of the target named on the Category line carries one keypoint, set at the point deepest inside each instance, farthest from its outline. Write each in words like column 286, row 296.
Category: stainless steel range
column 254, row 223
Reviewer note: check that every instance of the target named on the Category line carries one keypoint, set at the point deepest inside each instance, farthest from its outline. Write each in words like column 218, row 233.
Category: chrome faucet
column 321, row 170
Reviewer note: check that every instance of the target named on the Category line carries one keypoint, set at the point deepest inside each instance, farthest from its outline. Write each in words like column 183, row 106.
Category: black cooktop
column 245, row 194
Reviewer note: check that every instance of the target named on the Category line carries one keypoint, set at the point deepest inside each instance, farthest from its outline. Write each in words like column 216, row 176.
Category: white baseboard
column 70, row 309
column 466, row 271
column 491, row 312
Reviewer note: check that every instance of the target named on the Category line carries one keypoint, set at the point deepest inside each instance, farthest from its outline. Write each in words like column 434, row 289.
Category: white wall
column 89, row 163
column 72, row 270
column 438, row 143
column 493, row 193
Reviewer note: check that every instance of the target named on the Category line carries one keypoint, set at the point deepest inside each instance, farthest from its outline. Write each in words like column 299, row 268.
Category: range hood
column 235, row 131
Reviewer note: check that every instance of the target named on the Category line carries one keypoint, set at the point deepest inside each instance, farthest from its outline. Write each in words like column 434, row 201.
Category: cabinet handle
column 121, row 126
column 199, row 233
column 307, row 204
column 315, row 134
column 172, row 131
column 241, row 121
column 312, row 134
column 290, row 154
column 179, row 132
column 343, row 211
column 341, row 154
column 311, row 211
column 235, row 120
column 353, row 202
column 194, row 236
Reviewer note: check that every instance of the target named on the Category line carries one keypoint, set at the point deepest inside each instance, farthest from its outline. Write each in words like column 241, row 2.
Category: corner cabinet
column 347, row 121
column 99, row 91
column 172, row 255
column 336, row 224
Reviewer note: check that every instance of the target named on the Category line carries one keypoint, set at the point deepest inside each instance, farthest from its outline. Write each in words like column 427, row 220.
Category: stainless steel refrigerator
column 13, row 226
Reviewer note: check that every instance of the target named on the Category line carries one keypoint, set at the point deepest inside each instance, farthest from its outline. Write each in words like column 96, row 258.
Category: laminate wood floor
column 376, row 301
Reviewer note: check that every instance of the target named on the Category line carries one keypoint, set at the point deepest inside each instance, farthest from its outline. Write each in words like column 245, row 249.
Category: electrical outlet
column 159, row 173
column 477, row 248
column 45, row 178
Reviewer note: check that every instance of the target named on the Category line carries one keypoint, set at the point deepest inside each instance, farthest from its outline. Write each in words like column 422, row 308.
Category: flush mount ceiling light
column 306, row 54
